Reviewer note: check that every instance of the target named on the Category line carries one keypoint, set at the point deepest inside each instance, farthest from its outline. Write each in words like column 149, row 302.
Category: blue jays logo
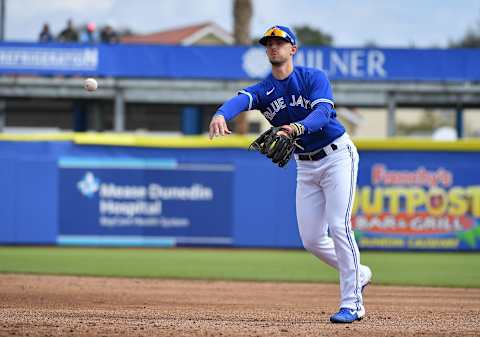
column 275, row 106
column 280, row 104
column 301, row 102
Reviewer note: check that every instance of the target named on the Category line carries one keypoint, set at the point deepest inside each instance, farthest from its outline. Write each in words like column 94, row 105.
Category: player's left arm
column 321, row 96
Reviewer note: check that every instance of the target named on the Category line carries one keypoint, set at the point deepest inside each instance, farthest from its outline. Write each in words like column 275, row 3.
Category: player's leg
column 311, row 217
column 312, row 223
column 339, row 183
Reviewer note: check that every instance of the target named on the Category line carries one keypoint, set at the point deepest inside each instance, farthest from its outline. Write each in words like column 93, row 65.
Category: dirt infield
column 83, row 306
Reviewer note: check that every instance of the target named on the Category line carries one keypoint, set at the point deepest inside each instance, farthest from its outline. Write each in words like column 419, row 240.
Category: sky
column 352, row 23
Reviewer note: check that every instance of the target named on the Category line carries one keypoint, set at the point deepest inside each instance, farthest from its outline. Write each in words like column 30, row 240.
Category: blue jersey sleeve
column 253, row 94
column 318, row 118
column 320, row 89
column 233, row 107
column 321, row 96
column 247, row 99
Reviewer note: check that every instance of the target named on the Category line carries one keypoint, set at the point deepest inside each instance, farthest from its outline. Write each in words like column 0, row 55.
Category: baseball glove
column 279, row 148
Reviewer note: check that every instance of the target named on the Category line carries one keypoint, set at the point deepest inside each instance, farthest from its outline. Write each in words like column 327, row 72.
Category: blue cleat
column 346, row 315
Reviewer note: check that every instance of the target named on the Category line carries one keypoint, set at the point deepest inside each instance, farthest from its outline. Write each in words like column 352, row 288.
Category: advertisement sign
column 236, row 62
column 401, row 204
column 144, row 202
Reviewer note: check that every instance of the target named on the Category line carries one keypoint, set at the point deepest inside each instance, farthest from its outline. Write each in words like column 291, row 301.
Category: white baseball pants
column 324, row 201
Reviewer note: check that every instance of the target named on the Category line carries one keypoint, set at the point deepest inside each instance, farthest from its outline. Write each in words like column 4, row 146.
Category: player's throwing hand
column 218, row 127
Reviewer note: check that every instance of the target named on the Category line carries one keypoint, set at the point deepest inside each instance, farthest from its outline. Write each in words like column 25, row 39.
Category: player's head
column 280, row 43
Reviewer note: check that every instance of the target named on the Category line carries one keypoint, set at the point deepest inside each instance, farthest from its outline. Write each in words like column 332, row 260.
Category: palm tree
column 242, row 14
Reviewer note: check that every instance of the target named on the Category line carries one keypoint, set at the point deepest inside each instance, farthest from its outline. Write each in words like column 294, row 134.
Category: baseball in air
column 90, row 84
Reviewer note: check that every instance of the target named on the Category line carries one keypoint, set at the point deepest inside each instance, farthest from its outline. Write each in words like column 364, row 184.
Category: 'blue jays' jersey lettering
column 293, row 99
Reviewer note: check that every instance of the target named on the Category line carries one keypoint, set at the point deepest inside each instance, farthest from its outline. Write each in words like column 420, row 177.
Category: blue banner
column 236, row 62
column 144, row 202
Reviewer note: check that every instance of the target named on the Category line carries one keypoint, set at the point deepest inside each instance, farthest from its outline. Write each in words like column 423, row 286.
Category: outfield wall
column 89, row 189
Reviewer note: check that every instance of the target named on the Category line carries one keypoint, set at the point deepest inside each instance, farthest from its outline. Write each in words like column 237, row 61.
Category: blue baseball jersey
column 293, row 100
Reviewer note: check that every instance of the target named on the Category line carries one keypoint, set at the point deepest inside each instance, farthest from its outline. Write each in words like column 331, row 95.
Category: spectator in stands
column 45, row 35
column 69, row 34
column 88, row 35
column 108, row 35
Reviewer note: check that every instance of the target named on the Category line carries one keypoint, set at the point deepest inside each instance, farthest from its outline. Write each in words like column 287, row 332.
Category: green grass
column 429, row 269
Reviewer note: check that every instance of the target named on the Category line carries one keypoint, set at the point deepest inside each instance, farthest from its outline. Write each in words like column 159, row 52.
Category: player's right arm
column 245, row 100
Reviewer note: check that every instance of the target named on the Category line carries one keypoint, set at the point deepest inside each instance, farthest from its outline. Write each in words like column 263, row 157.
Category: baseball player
column 300, row 100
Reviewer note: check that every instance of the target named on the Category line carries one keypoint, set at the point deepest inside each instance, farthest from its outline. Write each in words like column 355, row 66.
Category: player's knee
column 317, row 245
column 309, row 245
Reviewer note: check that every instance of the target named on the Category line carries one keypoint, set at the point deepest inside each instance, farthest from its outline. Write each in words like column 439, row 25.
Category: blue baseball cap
column 282, row 32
